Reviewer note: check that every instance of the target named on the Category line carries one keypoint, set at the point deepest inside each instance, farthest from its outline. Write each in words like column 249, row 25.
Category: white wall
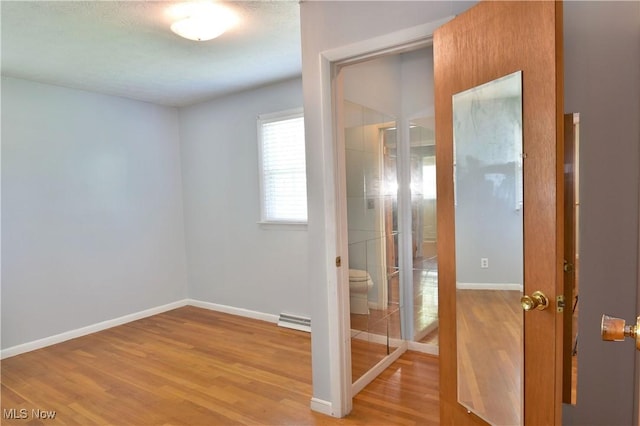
column 602, row 83
column 417, row 88
column 232, row 260
column 92, row 223
column 92, row 213
column 374, row 84
column 488, row 215
column 399, row 85
column 328, row 25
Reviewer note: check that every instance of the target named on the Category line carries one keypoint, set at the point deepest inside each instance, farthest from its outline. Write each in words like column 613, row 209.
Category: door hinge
column 568, row 267
column 338, row 262
column 560, row 304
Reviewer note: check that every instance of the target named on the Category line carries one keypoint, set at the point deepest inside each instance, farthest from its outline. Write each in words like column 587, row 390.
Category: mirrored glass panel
column 423, row 229
column 487, row 126
column 372, row 187
column 423, row 225
column 398, row 194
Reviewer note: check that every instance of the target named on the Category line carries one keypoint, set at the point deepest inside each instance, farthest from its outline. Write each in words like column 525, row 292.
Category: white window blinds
column 282, row 167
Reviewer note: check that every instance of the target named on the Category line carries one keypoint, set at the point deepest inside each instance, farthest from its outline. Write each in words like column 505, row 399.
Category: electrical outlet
column 484, row 263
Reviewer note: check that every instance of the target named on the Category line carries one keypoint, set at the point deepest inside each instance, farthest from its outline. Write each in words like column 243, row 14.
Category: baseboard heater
column 295, row 322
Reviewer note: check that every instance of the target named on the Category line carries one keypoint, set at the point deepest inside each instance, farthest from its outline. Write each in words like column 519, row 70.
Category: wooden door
column 491, row 40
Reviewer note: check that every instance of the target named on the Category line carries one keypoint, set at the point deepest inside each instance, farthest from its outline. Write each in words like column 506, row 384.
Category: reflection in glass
column 423, row 229
column 372, row 235
column 424, row 270
column 487, row 126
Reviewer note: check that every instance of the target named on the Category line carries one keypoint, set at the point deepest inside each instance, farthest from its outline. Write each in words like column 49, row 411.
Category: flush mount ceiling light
column 201, row 21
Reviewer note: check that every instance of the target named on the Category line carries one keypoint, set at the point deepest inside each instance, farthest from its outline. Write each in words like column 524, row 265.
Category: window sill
column 284, row 226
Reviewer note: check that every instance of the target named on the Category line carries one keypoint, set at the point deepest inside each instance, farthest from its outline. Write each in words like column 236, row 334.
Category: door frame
column 636, row 411
column 637, row 390
column 338, row 291
column 571, row 271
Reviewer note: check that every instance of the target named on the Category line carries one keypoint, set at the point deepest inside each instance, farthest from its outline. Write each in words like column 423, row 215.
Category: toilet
column 359, row 285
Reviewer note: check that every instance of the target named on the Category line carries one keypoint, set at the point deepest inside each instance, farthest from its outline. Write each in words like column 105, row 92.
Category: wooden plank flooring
column 490, row 354
column 192, row 366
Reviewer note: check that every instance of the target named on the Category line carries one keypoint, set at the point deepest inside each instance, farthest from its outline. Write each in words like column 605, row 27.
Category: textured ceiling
column 125, row 48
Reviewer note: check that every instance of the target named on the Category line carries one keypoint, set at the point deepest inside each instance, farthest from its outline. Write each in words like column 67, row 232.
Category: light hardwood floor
column 490, row 354
column 192, row 366
column 425, row 294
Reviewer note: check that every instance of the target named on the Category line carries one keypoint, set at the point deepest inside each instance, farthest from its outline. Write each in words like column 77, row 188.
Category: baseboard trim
column 433, row 326
column 380, row 339
column 425, row 348
column 94, row 328
column 247, row 313
column 375, row 371
column 376, row 305
column 83, row 331
column 321, row 406
column 489, row 286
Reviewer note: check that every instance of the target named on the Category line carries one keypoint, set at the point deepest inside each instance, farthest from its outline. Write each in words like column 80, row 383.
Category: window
column 283, row 174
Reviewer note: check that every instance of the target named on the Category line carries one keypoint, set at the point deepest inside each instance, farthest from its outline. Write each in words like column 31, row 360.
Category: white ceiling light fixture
column 201, row 21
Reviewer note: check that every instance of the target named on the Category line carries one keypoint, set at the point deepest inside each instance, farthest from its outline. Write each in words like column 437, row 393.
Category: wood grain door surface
column 489, row 41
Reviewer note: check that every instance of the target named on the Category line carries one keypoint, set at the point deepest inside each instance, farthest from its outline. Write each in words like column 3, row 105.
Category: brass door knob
column 536, row 301
column 616, row 329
